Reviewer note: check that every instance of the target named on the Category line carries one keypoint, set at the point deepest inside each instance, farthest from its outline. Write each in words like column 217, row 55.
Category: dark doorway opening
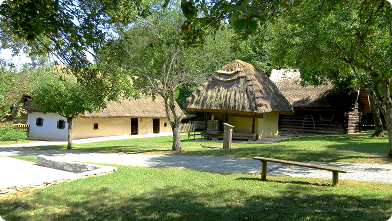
column 134, row 126
column 155, row 126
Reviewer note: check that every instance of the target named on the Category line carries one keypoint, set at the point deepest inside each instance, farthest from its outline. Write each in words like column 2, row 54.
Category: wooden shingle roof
column 312, row 97
column 238, row 87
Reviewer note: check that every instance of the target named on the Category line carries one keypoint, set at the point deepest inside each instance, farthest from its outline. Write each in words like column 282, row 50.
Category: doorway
column 155, row 126
column 134, row 126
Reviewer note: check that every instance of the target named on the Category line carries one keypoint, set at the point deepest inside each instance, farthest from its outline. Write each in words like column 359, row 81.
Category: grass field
column 137, row 193
column 321, row 148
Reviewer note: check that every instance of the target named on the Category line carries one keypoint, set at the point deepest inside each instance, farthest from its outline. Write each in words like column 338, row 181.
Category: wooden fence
column 192, row 126
column 22, row 127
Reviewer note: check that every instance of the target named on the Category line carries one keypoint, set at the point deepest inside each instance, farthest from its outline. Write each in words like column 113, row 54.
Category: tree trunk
column 384, row 102
column 174, row 119
column 379, row 127
column 69, row 136
column 176, row 137
column 388, row 120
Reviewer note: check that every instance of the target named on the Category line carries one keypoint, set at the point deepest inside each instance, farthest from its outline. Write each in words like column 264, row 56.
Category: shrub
column 8, row 133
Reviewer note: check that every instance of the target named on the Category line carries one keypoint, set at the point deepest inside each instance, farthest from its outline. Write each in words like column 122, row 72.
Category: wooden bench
column 335, row 170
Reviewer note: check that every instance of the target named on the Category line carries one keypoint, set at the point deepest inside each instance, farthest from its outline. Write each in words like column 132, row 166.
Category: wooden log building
column 319, row 109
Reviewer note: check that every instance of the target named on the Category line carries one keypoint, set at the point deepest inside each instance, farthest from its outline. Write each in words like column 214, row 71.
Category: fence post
column 227, row 135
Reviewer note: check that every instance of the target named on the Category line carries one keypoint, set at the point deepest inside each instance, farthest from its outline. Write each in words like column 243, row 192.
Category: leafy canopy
column 61, row 93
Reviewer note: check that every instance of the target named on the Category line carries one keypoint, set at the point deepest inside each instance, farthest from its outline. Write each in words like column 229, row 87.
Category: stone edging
column 82, row 169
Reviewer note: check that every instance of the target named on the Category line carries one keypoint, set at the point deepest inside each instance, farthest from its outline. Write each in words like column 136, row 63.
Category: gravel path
column 364, row 172
column 15, row 169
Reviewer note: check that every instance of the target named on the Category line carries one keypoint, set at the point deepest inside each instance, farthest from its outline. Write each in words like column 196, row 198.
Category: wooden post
column 263, row 170
column 335, row 178
column 227, row 135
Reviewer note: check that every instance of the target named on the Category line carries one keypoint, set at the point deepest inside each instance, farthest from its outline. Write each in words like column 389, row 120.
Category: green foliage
column 340, row 41
column 13, row 84
column 9, row 133
column 66, row 29
column 348, row 43
column 61, row 93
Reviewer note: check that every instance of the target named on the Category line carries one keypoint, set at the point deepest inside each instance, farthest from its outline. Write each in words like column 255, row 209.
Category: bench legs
column 335, row 178
column 263, row 170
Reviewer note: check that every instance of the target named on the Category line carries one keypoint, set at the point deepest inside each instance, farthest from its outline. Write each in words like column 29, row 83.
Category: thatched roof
column 312, row 97
column 138, row 108
column 238, row 88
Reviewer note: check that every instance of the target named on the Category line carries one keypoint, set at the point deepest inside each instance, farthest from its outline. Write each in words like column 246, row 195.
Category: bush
column 8, row 133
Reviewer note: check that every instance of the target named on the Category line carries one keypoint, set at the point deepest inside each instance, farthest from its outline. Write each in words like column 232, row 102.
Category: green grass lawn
column 137, row 193
column 321, row 148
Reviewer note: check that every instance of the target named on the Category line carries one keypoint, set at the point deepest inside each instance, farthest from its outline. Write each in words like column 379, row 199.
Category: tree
column 346, row 42
column 156, row 54
column 59, row 92
column 5, row 87
column 378, row 125
column 68, row 30
column 13, row 83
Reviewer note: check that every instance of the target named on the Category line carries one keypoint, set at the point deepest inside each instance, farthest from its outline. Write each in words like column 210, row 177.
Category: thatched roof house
column 242, row 96
column 319, row 109
column 240, row 88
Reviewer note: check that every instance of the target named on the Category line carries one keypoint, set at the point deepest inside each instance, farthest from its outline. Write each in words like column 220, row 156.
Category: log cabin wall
column 317, row 122
column 321, row 122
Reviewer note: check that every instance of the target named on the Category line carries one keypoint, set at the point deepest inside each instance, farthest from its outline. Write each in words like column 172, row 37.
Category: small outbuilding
column 319, row 109
column 242, row 96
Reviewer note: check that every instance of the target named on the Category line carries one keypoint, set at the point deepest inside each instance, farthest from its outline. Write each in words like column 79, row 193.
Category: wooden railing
column 22, row 127
column 213, row 125
column 192, row 126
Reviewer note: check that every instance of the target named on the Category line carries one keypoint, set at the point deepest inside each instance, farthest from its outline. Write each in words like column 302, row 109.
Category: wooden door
column 134, row 126
column 155, row 125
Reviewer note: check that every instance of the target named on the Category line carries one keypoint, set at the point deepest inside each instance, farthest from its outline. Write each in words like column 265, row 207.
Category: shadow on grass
column 287, row 202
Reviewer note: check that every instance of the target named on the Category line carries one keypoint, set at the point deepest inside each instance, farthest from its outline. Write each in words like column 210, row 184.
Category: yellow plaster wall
column 241, row 124
column 265, row 127
column 145, row 126
column 165, row 128
column 268, row 125
column 84, row 127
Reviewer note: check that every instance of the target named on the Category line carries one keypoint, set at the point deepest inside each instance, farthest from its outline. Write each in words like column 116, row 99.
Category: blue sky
column 20, row 59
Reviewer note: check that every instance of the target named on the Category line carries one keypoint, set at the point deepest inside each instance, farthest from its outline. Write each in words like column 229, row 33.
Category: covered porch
column 246, row 127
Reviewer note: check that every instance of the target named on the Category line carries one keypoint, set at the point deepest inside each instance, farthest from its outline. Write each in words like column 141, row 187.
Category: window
column 164, row 124
column 39, row 122
column 61, row 124
column 95, row 126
